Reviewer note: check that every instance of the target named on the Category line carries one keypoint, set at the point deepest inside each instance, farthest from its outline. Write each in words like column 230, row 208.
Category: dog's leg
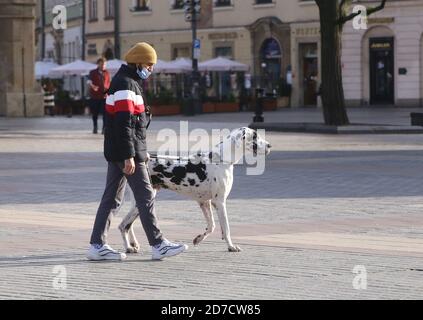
column 223, row 219
column 135, row 246
column 208, row 214
column 130, row 242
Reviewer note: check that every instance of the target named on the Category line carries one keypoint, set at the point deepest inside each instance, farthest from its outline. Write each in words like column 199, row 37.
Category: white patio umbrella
column 180, row 65
column 222, row 64
column 76, row 68
column 42, row 68
column 162, row 66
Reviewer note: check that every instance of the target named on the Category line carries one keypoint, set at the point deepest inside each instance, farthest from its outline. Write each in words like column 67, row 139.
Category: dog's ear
column 237, row 139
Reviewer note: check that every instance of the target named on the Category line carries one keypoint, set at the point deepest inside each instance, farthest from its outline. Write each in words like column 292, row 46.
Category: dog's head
column 252, row 141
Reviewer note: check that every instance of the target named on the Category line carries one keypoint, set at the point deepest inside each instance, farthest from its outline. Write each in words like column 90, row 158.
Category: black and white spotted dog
column 206, row 178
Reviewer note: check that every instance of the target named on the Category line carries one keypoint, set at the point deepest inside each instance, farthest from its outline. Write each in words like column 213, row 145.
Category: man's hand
column 129, row 167
column 94, row 87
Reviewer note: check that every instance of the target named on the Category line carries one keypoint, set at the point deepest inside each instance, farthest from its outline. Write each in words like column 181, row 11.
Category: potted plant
column 62, row 102
column 228, row 104
column 209, row 105
column 164, row 103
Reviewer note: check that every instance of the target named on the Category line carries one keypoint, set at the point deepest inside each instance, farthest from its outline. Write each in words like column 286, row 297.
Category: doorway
column 309, row 73
column 270, row 62
column 382, row 82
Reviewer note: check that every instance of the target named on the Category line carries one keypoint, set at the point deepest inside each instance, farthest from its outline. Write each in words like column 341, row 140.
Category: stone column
column 20, row 95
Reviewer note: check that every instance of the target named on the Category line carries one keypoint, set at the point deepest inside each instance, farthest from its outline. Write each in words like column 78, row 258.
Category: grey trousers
column 112, row 200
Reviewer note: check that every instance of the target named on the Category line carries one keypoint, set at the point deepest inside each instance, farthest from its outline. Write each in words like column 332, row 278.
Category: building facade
column 383, row 64
column 101, row 29
column 57, row 44
column 272, row 37
column 278, row 39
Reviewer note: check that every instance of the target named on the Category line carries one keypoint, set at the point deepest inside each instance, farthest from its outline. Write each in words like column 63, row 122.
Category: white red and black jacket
column 125, row 118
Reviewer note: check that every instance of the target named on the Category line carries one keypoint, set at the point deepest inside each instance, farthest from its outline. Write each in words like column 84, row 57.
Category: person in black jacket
column 125, row 150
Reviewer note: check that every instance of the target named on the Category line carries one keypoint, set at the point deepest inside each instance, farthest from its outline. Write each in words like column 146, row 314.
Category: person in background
column 99, row 82
column 48, row 91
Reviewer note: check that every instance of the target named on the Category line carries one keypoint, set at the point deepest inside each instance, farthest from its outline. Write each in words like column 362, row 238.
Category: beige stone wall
column 160, row 18
column 102, row 24
column 241, row 13
column 18, row 89
column 163, row 27
column 238, row 38
column 99, row 32
column 244, row 12
column 100, row 42
column 242, row 26
column 402, row 20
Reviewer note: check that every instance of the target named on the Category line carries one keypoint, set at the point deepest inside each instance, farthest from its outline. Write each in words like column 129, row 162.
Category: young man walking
column 125, row 150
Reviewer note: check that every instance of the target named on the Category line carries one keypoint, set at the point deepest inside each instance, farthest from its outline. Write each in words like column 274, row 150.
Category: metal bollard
column 259, row 105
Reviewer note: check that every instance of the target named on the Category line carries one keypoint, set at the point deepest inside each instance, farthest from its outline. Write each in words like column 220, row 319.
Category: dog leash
column 166, row 157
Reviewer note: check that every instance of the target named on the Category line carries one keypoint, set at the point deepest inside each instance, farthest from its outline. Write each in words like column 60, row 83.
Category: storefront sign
column 223, row 36
column 307, row 31
column 381, row 45
column 380, row 20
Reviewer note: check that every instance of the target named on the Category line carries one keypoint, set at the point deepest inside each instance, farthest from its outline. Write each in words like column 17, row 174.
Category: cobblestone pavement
column 325, row 205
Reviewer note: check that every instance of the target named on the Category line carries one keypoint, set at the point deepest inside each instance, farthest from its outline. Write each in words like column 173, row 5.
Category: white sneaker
column 105, row 252
column 167, row 249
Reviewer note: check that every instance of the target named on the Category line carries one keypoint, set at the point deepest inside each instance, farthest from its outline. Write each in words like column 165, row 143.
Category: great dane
column 205, row 177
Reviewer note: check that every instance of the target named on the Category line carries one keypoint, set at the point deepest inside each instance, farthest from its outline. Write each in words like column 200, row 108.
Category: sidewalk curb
column 328, row 129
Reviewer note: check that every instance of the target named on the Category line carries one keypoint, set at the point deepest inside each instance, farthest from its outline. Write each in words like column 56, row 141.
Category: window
column 181, row 51
column 222, row 3
column 92, row 49
column 141, row 5
column 73, row 56
column 109, row 6
column 225, row 52
column 93, row 10
column 178, row 4
column 264, row 1
column 77, row 48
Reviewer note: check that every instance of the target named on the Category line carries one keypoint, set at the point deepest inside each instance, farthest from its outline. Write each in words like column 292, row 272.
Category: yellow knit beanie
column 141, row 53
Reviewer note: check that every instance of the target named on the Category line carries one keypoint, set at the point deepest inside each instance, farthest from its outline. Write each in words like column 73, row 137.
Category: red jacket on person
column 101, row 80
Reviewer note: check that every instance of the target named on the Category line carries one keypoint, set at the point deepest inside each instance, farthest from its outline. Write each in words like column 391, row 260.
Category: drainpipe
column 117, row 29
column 43, row 26
column 83, row 30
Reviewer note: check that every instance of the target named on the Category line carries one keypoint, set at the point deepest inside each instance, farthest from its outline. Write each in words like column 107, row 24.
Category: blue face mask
column 144, row 73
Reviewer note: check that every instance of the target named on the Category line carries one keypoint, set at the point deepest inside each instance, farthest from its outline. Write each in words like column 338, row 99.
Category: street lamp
column 263, row 74
column 192, row 9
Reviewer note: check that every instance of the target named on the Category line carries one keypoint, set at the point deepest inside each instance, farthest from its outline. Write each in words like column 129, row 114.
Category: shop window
column 225, row 52
column 222, row 3
column 141, row 5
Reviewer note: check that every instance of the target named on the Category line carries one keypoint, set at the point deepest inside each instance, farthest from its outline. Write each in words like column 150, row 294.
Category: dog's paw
column 234, row 249
column 198, row 239
column 133, row 249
